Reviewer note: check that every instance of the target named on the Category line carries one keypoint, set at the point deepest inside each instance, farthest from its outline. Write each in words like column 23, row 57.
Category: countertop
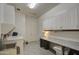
column 12, row 39
column 64, row 41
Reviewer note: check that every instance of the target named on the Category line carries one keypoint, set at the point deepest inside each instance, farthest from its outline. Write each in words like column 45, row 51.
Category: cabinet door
column 67, row 21
column 47, row 24
column 71, row 19
column 9, row 14
column 73, row 15
column 59, row 22
column 56, row 22
column 63, row 21
column 77, row 17
column 53, row 23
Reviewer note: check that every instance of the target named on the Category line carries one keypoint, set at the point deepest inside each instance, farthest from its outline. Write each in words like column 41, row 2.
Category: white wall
column 5, row 28
column 0, row 31
column 31, row 28
column 9, row 14
column 54, row 11
column 20, row 24
column 1, row 12
column 1, row 18
column 27, row 26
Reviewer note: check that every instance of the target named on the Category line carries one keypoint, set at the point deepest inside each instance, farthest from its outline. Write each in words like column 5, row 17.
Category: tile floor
column 33, row 48
column 11, row 51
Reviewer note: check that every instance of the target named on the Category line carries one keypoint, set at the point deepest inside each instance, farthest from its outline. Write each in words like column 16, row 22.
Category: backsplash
column 68, row 34
column 47, row 33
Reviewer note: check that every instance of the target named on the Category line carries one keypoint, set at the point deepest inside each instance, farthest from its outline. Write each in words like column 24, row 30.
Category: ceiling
column 39, row 10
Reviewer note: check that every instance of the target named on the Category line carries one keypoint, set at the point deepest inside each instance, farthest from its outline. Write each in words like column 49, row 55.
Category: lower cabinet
column 45, row 44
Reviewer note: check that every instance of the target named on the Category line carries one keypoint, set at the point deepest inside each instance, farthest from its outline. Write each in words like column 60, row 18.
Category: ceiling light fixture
column 32, row 5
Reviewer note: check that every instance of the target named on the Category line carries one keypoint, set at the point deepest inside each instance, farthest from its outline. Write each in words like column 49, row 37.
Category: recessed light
column 32, row 5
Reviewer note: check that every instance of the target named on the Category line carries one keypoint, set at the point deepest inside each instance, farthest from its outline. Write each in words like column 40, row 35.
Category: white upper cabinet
column 58, row 22
column 47, row 24
column 69, row 19
column 54, row 23
column 7, row 14
column 77, row 18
